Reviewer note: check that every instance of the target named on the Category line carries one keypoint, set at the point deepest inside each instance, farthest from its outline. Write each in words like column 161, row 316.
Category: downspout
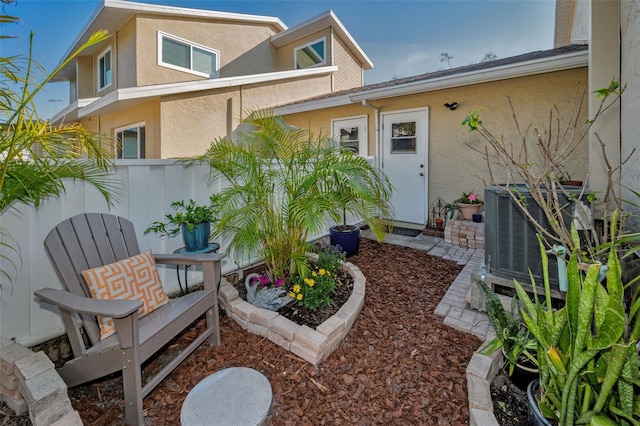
column 376, row 123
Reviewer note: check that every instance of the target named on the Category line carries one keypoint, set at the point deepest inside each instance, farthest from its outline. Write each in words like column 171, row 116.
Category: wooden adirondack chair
column 91, row 240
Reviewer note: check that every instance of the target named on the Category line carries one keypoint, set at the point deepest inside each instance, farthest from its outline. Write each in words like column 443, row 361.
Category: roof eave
column 520, row 69
column 137, row 94
column 112, row 14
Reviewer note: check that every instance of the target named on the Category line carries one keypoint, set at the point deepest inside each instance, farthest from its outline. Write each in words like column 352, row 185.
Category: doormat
column 407, row 232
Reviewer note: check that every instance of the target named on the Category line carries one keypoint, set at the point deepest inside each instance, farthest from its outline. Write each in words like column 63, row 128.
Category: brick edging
column 312, row 345
column 29, row 382
column 480, row 373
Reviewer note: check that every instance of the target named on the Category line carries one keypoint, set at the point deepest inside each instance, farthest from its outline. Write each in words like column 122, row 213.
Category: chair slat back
column 87, row 241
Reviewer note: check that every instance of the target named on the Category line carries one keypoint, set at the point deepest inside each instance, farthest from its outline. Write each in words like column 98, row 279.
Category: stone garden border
column 311, row 345
column 480, row 373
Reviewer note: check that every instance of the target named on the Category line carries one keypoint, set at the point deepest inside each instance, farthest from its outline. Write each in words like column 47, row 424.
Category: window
column 130, row 142
column 182, row 55
column 311, row 55
column 403, row 138
column 352, row 134
column 104, row 69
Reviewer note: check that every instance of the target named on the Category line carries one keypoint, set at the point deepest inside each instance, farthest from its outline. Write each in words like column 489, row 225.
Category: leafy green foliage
column 516, row 341
column 314, row 290
column 587, row 351
column 281, row 184
column 187, row 213
column 36, row 157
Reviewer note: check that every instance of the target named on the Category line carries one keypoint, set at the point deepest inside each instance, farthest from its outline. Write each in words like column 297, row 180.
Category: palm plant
column 36, row 157
column 281, row 185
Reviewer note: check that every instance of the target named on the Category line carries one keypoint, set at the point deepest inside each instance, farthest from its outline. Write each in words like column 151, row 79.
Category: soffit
column 123, row 98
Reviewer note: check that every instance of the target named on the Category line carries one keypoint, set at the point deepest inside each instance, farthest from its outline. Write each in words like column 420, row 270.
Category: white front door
column 404, row 160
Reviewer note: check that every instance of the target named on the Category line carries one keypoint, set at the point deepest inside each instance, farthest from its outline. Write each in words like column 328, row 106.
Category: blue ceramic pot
column 347, row 238
column 198, row 239
column 535, row 416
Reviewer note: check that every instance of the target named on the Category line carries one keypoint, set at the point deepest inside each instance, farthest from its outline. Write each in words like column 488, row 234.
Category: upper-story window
column 311, row 54
column 130, row 142
column 105, row 66
column 183, row 55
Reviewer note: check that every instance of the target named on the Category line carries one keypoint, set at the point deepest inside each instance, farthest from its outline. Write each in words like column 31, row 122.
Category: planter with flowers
column 469, row 204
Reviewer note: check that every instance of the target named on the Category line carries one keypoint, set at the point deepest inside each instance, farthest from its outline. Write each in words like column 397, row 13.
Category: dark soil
column 509, row 402
column 399, row 364
column 303, row 316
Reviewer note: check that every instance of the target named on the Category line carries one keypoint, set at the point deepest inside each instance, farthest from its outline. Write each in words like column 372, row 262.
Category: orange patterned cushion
column 135, row 278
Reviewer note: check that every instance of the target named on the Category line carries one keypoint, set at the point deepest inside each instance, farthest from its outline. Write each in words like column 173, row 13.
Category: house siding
column 190, row 122
column 630, row 52
column 244, row 49
column 286, row 59
column 349, row 73
column 126, row 57
column 86, row 77
column 453, row 166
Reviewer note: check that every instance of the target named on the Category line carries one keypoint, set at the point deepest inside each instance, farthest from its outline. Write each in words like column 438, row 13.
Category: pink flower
column 279, row 282
column 472, row 197
column 264, row 280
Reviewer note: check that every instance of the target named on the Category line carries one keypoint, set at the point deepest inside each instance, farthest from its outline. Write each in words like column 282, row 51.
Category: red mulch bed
column 399, row 364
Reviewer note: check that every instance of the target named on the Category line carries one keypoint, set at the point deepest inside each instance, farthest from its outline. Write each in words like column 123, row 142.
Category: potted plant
column 193, row 220
column 469, row 204
column 517, row 343
column 281, row 184
column 564, row 178
column 587, row 349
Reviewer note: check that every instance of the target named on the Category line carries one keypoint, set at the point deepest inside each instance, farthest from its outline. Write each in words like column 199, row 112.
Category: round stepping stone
column 235, row 396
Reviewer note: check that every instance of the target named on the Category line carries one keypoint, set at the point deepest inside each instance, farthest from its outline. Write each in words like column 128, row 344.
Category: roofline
column 143, row 92
column 521, row 69
column 323, row 20
column 136, row 7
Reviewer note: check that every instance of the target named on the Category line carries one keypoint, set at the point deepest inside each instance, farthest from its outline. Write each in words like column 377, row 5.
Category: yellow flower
column 299, row 297
column 309, row 281
column 292, row 295
column 296, row 288
column 322, row 271
column 314, row 274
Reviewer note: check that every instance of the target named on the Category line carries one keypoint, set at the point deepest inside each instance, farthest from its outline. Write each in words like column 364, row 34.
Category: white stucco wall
column 630, row 75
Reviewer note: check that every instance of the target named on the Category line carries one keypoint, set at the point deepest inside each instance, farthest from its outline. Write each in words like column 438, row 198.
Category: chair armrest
column 189, row 258
column 85, row 305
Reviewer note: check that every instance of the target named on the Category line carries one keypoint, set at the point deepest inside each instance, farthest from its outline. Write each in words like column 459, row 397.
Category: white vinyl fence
column 149, row 187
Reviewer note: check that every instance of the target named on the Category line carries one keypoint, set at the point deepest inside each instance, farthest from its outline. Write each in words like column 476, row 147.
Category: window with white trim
column 311, row 54
column 105, row 67
column 183, row 55
column 352, row 134
column 130, row 142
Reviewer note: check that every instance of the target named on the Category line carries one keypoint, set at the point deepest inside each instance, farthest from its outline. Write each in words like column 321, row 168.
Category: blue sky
column 402, row 38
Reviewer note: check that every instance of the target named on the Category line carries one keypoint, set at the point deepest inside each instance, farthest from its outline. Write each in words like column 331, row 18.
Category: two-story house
column 172, row 79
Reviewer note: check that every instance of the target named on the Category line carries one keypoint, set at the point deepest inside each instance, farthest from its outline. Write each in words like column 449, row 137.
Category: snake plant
column 587, row 350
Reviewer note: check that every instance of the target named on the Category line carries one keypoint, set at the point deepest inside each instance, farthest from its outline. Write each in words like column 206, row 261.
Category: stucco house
column 170, row 79
column 183, row 116
column 412, row 126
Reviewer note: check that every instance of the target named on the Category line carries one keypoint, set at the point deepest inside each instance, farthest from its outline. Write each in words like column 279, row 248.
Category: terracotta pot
column 439, row 222
column 468, row 210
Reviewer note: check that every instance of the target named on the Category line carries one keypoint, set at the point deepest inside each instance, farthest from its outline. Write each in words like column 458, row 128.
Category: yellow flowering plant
column 314, row 290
